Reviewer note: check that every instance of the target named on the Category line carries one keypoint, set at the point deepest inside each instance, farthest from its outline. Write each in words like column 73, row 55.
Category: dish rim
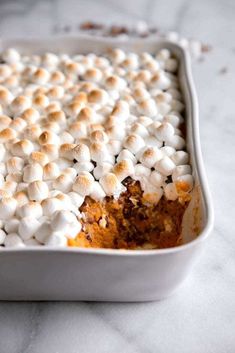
column 186, row 62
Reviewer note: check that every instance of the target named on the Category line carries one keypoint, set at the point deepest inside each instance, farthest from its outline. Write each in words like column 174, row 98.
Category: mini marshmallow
column 133, row 143
column 32, row 242
column 171, row 192
column 76, row 199
column 176, row 142
column 181, row 170
column 50, row 171
column 18, row 124
column 43, row 232
column 38, row 190
column 32, row 172
column 39, row 157
column 147, row 107
column 99, row 153
column 14, row 164
column 66, row 150
column 165, row 166
column 57, row 78
column 152, row 195
column 14, row 177
column 171, row 65
column 177, row 106
column 152, row 141
column 13, row 240
column 180, row 157
column 30, row 209
column 114, row 147
column 83, row 184
column 22, row 148
column 167, row 151
column 160, row 80
column 5, row 121
column 164, row 132
column 7, row 207
column 150, row 156
column 62, row 219
column 6, row 97
column 48, row 137
column 5, row 71
column 27, row 227
column 63, row 163
column 111, row 185
column 66, row 137
column 97, row 192
column 50, row 151
column 11, row 56
column 156, row 179
column 81, row 153
column 51, row 126
column 123, row 169
column 7, row 134
column 116, row 132
column 11, row 226
column 83, row 167
column 21, row 196
column 63, row 183
column 121, row 110
column 93, row 75
column 40, row 76
column 102, row 169
column 73, row 230
column 71, row 172
column 99, row 96
column 99, row 136
column 50, row 60
column 56, row 239
column 30, row 116
column 51, row 205
column 114, row 82
column 19, row 104
column 141, row 172
column 78, row 129
column 117, row 56
column 57, row 117
column 184, row 183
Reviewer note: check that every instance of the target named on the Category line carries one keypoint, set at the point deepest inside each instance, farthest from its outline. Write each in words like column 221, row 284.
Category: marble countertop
column 200, row 318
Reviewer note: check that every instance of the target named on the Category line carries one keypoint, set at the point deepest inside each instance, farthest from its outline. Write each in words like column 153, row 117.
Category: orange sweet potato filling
column 128, row 223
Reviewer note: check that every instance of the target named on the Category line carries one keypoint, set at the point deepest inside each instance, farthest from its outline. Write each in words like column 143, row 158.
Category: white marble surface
column 200, row 318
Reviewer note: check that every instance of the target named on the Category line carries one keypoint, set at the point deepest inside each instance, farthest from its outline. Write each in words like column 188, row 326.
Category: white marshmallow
column 56, row 239
column 126, row 154
column 174, row 120
column 22, row 148
column 27, row 227
column 148, row 107
column 11, row 56
column 111, row 185
column 11, row 225
column 62, row 219
column 171, row 192
column 81, row 153
column 32, row 172
column 38, row 190
column 63, row 183
column 43, row 232
column 133, row 143
column 114, row 147
column 165, row 166
column 180, row 157
column 32, row 242
column 139, row 129
column 7, row 207
column 156, row 179
column 30, row 209
column 83, row 184
column 13, row 240
column 97, row 192
column 150, row 156
column 164, row 132
column 50, row 171
column 176, row 141
column 73, row 230
column 39, row 158
column 184, row 183
column 167, row 151
column 160, row 80
column 102, row 169
column 76, row 199
column 50, row 151
column 63, row 163
column 71, row 172
column 123, row 169
column 50, row 206
column 83, row 167
column 181, row 170
column 15, row 164
column 99, row 153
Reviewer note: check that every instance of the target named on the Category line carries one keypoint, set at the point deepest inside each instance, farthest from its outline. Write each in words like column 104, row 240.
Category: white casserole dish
column 113, row 275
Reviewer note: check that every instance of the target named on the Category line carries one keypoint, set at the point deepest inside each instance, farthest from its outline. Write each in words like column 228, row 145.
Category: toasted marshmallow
column 5, row 121
column 140, row 94
column 102, row 169
column 117, row 55
column 20, row 104
column 99, row 136
column 126, row 154
column 164, row 132
column 50, row 171
column 93, row 75
column 41, row 76
column 171, row 192
column 18, row 124
column 5, row 71
column 147, row 107
column 114, row 82
column 180, row 157
column 165, row 166
column 51, row 152
column 11, row 56
column 48, row 137
column 57, row 117
column 133, row 143
column 57, row 78
column 63, row 183
column 7, row 207
column 87, row 115
column 181, row 170
column 66, row 151
column 99, row 153
column 184, row 183
column 30, row 116
column 114, row 132
column 51, row 205
column 139, row 129
column 81, row 153
column 78, row 129
column 15, row 177
column 83, row 167
column 74, row 68
column 21, row 197
column 111, row 185
column 22, row 148
column 121, row 110
column 149, row 156
column 160, row 80
column 13, row 240
column 6, row 96
column 32, row 172
column 40, row 101
column 7, row 135
column 123, row 169
column 32, row 132
column 152, row 195
column 145, row 121
column 50, row 60
column 15, row 164
column 38, row 190
column 83, row 184
column 27, row 227
column 141, row 172
column 98, row 96
column 71, row 172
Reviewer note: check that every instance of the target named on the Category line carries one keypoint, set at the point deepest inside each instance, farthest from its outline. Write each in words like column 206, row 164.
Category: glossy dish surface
column 162, row 270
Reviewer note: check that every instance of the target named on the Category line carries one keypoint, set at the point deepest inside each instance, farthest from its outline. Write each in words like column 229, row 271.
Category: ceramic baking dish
column 113, row 275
